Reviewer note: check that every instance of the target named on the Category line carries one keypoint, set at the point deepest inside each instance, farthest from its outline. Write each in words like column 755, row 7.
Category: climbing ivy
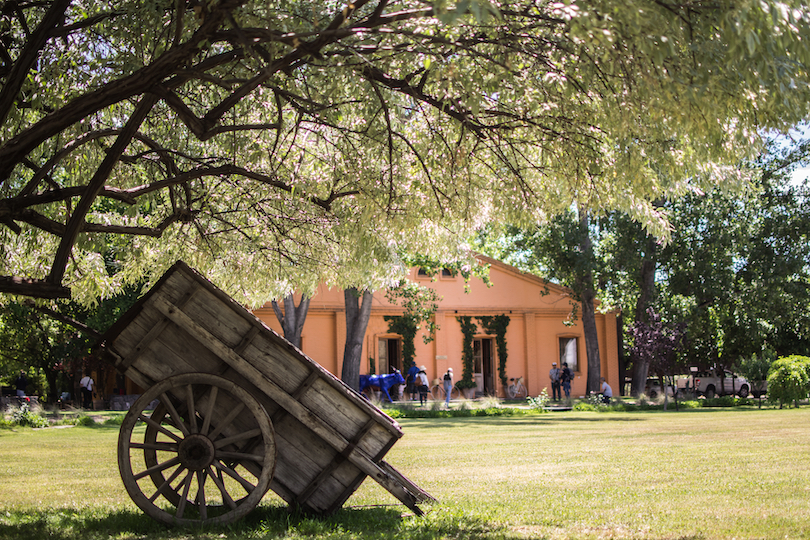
column 420, row 304
column 468, row 329
column 497, row 325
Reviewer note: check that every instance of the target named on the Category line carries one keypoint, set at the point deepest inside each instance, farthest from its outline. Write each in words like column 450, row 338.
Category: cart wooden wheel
column 206, row 455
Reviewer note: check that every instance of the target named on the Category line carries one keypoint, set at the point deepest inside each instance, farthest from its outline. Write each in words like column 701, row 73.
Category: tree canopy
column 276, row 146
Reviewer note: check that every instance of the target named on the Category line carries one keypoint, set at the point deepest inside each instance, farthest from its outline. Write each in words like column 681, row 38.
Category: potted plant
column 467, row 387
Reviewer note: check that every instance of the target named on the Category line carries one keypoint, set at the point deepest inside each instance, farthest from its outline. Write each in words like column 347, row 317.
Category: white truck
column 709, row 383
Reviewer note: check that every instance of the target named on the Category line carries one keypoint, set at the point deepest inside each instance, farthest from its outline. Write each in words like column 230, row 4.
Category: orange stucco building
column 536, row 336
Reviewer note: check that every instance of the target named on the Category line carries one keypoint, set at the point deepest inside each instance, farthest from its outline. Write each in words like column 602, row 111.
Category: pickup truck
column 708, row 383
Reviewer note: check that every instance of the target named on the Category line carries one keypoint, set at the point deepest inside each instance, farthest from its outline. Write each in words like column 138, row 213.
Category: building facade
column 540, row 331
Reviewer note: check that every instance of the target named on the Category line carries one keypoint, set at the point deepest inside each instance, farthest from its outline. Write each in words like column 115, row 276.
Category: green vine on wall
column 420, row 305
column 468, row 329
column 497, row 325
column 405, row 327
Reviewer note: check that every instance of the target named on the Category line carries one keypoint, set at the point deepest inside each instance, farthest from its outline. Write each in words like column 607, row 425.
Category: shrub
column 24, row 416
column 114, row 421
column 85, row 420
column 585, row 406
column 720, row 401
column 788, row 379
column 539, row 403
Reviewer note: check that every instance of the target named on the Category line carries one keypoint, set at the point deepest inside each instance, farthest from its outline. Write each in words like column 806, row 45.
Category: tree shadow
column 266, row 521
column 534, row 420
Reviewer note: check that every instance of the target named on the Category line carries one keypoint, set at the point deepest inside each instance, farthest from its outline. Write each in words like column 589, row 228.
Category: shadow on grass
column 264, row 522
column 536, row 420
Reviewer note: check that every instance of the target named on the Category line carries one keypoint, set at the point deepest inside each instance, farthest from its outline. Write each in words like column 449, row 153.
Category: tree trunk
column 641, row 370
column 588, row 313
column 591, row 341
column 646, row 282
column 357, row 316
column 293, row 318
column 51, row 376
column 622, row 353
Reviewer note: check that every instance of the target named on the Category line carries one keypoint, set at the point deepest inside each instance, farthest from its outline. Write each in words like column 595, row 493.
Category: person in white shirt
column 422, row 385
column 556, row 384
column 87, row 385
column 606, row 390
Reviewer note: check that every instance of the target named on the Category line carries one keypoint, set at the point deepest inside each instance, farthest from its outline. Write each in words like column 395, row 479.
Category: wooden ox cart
column 237, row 411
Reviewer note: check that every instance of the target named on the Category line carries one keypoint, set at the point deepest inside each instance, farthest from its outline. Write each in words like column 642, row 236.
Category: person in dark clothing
column 565, row 378
column 21, row 383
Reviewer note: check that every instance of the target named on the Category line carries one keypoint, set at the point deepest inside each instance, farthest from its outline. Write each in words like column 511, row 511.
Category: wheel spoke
column 181, row 506
column 166, row 484
column 160, row 446
column 178, row 421
column 192, row 409
column 221, row 486
column 158, row 427
column 235, row 475
column 238, row 437
column 201, row 494
column 157, row 468
column 226, row 421
column 239, row 456
column 209, row 411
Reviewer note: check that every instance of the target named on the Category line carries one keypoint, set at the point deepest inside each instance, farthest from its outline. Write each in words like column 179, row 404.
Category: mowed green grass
column 701, row 474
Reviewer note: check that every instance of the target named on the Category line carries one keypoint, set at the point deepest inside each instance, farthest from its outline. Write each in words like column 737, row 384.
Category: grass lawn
column 702, row 474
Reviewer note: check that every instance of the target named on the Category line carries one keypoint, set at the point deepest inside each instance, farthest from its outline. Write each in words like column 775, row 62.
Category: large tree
column 562, row 251
column 738, row 270
column 275, row 146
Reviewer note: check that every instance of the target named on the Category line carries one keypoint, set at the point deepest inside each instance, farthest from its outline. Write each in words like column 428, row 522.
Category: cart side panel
column 358, row 427
column 301, row 467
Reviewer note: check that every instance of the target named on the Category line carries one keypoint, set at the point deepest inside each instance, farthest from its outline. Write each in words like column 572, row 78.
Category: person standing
column 554, row 375
column 21, row 383
column 87, row 385
column 565, row 377
column 422, row 385
column 410, row 381
column 447, row 383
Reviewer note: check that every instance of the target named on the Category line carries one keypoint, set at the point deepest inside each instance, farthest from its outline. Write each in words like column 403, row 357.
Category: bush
column 24, row 416
column 462, row 412
column 584, row 406
column 788, row 379
column 720, row 401
column 85, row 420
column 539, row 403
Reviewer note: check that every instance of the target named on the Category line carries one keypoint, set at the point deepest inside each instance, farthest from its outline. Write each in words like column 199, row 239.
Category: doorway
column 389, row 355
column 483, row 366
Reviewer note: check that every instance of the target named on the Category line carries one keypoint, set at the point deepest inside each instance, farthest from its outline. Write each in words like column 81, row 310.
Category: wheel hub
column 196, row 452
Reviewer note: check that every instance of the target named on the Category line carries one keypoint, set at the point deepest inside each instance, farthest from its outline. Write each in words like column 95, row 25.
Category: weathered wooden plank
column 185, row 291
column 344, row 416
column 135, row 352
column 305, row 386
column 175, row 352
column 246, row 340
column 315, row 423
column 325, row 498
column 358, row 479
column 303, row 456
column 327, row 471
column 299, row 461
column 421, row 494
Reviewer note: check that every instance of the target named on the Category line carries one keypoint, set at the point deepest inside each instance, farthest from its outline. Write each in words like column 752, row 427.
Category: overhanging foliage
column 277, row 146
